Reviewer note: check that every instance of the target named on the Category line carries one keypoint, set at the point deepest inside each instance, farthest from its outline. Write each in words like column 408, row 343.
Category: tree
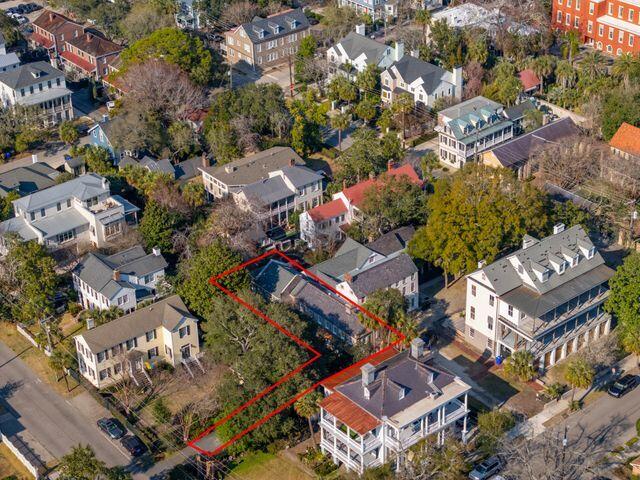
column 68, row 133
column 477, row 214
column 543, row 67
column 624, row 303
column 364, row 157
column 143, row 19
column 619, row 106
column 492, row 425
column 565, row 73
column 592, row 66
column 338, row 21
column 6, row 205
column 342, row 89
column 81, row 464
column 570, row 45
column 340, row 122
column 519, row 365
column 390, row 306
column 625, row 67
column 58, row 364
column 193, row 414
column 473, row 75
column 403, row 104
column 579, row 374
column 221, row 139
column 157, row 226
column 554, row 390
column 367, row 108
column 306, row 52
column 308, row 116
column 194, row 274
column 368, row 80
column 182, row 140
column 161, row 413
column 307, row 407
column 97, row 159
column 430, row 462
column 423, row 18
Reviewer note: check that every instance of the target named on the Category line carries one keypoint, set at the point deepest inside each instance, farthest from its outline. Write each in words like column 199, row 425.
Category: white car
column 21, row 19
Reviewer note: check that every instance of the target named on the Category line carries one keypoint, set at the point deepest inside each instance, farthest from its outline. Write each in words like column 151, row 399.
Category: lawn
column 266, row 466
column 35, row 359
column 11, row 466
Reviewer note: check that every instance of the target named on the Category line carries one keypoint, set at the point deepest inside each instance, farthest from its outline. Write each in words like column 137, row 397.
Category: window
column 591, row 8
column 167, row 350
column 590, row 26
column 132, row 343
column 510, row 310
column 117, row 368
column 569, row 3
column 100, row 357
column 184, row 331
column 247, row 48
column 103, row 374
column 630, row 15
column 610, row 10
column 490, row 322
column 112, row 229
column 489, row 344
column 610, row 33
column 630, row 40
column 472, row 332
column 65, row 237
column 473, row 290
column 600, row 30
column 147, row 278
column 621, row 36
column 68, row 203
column 576, row 22
column 32, row 215
column 472, row 313
column 123, row 299
column 609, row 48
column 577, row 4
column 620, row 11
column 151, row 335
column 152, row 352
column 492, row 300
column 58, row 206
column 43, row 212
column 568, row 19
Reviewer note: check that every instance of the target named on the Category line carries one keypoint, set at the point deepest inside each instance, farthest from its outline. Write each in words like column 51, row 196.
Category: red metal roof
column 356, row 193
column 78, row 61
column 627, row 139
column 349, row 413
column 529, row 79
column 41, row 40
column 328, row 210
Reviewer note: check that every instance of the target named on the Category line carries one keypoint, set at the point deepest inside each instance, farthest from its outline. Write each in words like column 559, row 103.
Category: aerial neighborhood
column 320, row 239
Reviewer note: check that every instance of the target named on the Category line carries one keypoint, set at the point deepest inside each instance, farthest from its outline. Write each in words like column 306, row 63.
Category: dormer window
column 367, row 393
column 574, row 261
column 401, row 394
column 562, row 267
column 591, row 252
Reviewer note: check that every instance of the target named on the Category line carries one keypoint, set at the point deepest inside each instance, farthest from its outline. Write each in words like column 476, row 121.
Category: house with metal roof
column 469, row 128
column 121, row 280
column 127, row 347
column 547, row 298
column 374, row 415
column 40, row 85
column 266, row 42
column 8, row 61
column 423, row 81
column 355, row 52
column 625, row 142
column 80, row 211
column 325, row 222
column 27, row 180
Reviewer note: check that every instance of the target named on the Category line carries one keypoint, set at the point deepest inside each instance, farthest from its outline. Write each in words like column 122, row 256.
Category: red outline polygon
column 215, row 281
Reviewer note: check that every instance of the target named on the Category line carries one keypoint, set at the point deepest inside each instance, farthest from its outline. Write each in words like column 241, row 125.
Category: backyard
column 10, row 466
column 267, row 466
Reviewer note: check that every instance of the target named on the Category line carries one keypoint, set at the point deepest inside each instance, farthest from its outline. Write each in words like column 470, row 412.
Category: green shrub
column 638, row 427
column 160, row 411
column 575, row 405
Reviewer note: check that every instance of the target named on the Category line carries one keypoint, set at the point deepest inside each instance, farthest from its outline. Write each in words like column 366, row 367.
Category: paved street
column 52, row 420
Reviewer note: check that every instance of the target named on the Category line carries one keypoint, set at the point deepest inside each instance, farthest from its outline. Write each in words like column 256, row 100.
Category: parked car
column 486, row 469
column 22, row 19
column 111, row 427
column 623, row 385
column 133, row 445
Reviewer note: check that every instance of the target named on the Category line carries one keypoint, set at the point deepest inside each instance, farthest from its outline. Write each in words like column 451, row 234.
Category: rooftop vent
column 230, row 168
column 482, row 263
column 558, row 228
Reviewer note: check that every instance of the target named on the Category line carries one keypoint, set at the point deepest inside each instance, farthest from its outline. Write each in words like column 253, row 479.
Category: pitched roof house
column 89, row 54
column 8, row 61
column 529, row 80
column 424, row 81
column 325, row 221
column 121, row 280
column 128, row 346
column 27, row 180
column 626, row 141
column 547, row 298
column 51, row 30
column 374, row 415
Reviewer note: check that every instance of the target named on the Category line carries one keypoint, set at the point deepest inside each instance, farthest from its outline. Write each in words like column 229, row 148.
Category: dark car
column 33, row 7
column 133, row 445
column 486, row 469
column 111, row 427
column 622, row 386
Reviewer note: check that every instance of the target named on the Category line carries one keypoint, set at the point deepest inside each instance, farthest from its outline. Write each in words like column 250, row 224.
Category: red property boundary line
column 215, row 281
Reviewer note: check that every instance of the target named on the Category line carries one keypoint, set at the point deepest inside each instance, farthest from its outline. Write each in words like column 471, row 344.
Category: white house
column 81, row 210
column 424, row 81
column 356, row 51
column 132, row 344
column 547, row 297
column 8, row 61
column 375, row 415
column 377, row 9
column 120, row 280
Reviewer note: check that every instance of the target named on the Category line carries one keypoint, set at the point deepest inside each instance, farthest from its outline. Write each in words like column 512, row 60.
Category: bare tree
column 238, row 226
column 237, row 13
column 126, row 389
column 193, row 414
column 248, row 140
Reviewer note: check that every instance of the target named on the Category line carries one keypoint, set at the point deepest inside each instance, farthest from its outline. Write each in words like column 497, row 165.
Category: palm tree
column 340, row 122
column 307, row 407
column 579, row 374
column 403, row 104
column 554, row 391
column 565, row 73
column 423, row 18
column 570, row 45
column 58, row 364
column 625, row 67
column 520, row 365
column 592, row 66
column 542, row 67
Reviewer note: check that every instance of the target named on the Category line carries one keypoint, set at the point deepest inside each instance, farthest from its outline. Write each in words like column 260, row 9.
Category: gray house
column 548, row 298
column 27, row 180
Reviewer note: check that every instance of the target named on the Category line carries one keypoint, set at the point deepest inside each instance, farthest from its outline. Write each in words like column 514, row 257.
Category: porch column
column 575, row 344
column 383, row 447
column 422, row 420
column 348, row 449
column 607, row 327
column 552, row 357
column 335, row 441
column 564, row 351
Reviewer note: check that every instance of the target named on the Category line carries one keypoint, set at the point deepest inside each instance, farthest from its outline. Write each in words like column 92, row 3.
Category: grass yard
column 11, row 466
column 266, row 466
column 35, row 359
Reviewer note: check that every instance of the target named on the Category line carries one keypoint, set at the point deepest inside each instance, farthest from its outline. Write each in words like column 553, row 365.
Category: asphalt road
column 53, row 421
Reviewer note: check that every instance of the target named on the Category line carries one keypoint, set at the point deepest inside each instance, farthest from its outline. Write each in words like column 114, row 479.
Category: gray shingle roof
column 275, row 277
column 355, row 45
column 8, row 59
column 393, row 241
column 166, row 313
column 516, row 112
column 282, row 20
column 83, row 188
column 412, row 68
column 301, row 176
column 19, row 226
column 382, row 275
column 254, row 167
column 516, row 152
column 267, row 191
column 30, row 74
column 27, row 180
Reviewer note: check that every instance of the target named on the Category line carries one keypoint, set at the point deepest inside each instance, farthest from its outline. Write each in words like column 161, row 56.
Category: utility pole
column 290, row 74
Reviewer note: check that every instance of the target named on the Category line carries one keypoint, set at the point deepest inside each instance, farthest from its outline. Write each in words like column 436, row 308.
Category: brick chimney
column 205, row 161
column 390, row 165
column 368, row 374
column 89, row 37
column 372, row 175
column 116, row 275
column 344, row 184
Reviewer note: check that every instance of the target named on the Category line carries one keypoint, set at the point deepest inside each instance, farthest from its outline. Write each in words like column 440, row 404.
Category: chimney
column 372, row 175
column 105, row 183
column 156, row 251
column 348, row 277
column 292, row 162
column 390, row 164
column 51, row 16
column 398, row 52
column 34, row 158
column 88, row 37
column 105, row 117
column 482, row 263
column 417, row 348
column 558, row 228
column 368, row 374
column 116, row 275
column 361, row 29
column 91, row 323
column 344, row 184
column 457, row 82
column 205, row 161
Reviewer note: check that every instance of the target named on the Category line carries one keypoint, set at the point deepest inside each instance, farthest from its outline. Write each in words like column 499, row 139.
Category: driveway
column 54, row 422
column 52, row 155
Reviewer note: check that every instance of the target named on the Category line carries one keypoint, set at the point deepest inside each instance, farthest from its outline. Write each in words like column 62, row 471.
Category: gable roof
column 29, row 74
column 27, row 180
column 517, row 111
column 412, row 68
column 167, row 313
column 516, row 152
column 282, row 20
column 529, row 79
column 393, row 241
column 82, row 187
column 328, row 210
column 355, row 45
column 51, row 21
column 627, row 139
column 94, row 44
column 382, row 275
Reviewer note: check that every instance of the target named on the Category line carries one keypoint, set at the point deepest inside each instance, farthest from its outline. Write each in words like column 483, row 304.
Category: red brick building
column 51, row 30
column 611, row 26
column 90, row 55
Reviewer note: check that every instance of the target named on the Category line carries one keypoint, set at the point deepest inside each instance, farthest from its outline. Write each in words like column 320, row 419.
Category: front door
column 185, row 351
